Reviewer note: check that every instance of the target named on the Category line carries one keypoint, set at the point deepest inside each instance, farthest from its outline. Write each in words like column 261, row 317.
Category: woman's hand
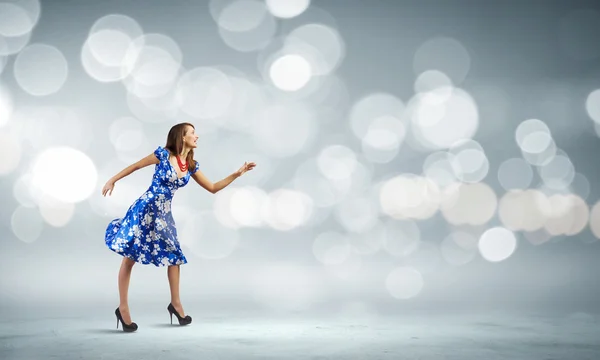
column 246, row 167
column 108, row 188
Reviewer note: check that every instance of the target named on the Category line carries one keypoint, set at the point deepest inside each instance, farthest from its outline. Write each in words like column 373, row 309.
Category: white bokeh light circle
column 404, row 283
column 287, row 9
column 369, row 108
column 592, row 105
column 9, row 144
column 321, row 45
column 55, row 213
column 41, row 69
column 205, row 93
column 65, row 174
column 445, row 54
column 331, row 248
column 337, row 162
column 439, row 122
column 290, row 72
column 27, row 224
column 200, row 233
column 515, row 173
column 497, row 244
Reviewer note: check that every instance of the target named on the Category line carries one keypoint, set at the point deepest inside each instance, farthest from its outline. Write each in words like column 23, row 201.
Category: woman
column 147, row 233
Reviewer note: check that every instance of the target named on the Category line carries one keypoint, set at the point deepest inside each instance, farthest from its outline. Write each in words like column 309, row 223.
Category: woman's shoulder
column 162, row 153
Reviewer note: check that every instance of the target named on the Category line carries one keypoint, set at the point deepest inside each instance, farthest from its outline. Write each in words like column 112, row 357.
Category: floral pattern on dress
column 147, row 233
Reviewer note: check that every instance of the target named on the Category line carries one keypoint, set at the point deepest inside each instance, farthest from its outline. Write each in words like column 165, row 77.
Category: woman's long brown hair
column 175, row 143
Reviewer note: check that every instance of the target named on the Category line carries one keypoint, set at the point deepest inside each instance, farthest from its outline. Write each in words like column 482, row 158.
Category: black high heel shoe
column 126, row 327
column 182, row 320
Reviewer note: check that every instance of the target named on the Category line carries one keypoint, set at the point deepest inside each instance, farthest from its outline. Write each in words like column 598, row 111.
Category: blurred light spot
column 347, row 268
column 3, row 61
column 444, row 54
column 404, row 282
column 595, row 220
column 41, row 69
column 331, row 248
column 543, row 158
column 409, row 196
column 242, row 15
column 205, row 93
column 515, row 173
column 109, row 52
column 287, row 9
column 426, row 258
column 309, row 179
column 243, row 25
column 156, row 67
column 357, row 214
column 367, row 110
column 580, row 186
column 438, row 123
column 54, row 174
column 497, row 244
column 246, row 204
column 402, row 237
column 385, row 133
column 27, row 224
column 16, row 20
column 44, row 127
column 576, row 34
column 322, row 46
column 558, row 173
column 592, row 105
column 382, row 142
column 13, row 45
column 468, row 160
column 6, row 106
column 9, row 144
column 533, row 136
column 458, row 248
column 56, row 213
column 438, row 168
column 523, row 210
column 286, row 209
column 22, row 191
column 126, row 133
column 290, row 72
column 283, row 130
column 566, row 215
column 285, row 287
column 537, row 237
column 370, row 241
column 336, row 162
column 471, row 204
column 199, row 234
column 434, row 82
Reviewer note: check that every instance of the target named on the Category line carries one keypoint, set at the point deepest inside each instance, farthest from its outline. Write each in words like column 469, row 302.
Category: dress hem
column 147, row 262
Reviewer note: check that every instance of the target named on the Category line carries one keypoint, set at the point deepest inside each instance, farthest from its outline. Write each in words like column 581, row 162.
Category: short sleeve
column 195, row 168
column 161, row 153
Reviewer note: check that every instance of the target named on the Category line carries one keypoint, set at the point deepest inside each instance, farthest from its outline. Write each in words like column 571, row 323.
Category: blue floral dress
column 147, row 233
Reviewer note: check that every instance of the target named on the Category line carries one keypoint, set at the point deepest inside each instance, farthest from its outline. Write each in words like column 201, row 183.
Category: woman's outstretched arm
column 146, row 161
column 213, row 188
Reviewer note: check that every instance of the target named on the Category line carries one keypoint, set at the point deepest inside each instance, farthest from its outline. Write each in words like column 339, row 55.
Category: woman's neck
column 184, row 152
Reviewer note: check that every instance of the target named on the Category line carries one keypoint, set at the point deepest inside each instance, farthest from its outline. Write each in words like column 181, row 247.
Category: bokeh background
column 435, row 155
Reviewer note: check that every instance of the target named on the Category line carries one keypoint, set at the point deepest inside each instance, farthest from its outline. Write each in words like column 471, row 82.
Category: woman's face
column 190, row 138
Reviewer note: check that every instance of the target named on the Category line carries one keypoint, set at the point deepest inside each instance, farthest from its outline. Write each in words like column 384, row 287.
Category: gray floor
column 252, row 336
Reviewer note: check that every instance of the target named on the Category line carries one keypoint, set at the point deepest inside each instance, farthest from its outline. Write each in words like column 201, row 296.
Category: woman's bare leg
column 173, row 275
column 124, row 276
